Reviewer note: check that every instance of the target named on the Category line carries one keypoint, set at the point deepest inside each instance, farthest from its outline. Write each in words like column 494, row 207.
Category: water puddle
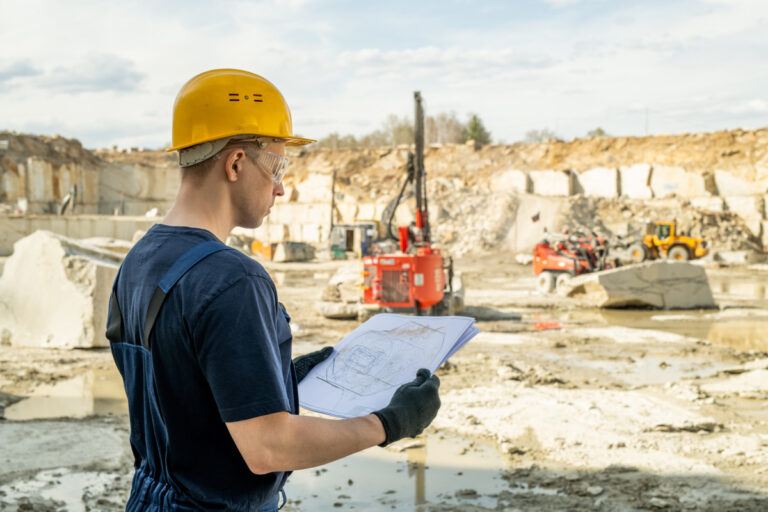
column 96, row 392
column 443, row 469
column 741, row 330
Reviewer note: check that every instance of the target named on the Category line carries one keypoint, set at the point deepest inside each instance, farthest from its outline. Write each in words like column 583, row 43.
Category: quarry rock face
column 54, row 292
column 657, row 284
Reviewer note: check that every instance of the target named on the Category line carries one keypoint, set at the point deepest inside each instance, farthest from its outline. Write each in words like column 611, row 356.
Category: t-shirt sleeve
column 238, row 350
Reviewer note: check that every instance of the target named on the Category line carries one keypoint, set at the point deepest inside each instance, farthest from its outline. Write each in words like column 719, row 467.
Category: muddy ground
column 556, row 407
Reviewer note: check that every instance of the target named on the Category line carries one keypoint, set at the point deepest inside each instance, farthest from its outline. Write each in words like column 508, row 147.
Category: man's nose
column 279, row 189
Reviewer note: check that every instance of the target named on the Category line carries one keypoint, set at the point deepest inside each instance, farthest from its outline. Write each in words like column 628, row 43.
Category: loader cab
column 664, row 230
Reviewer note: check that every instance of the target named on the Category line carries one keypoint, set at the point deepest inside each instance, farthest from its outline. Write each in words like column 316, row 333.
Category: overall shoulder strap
column 182, row 265
column 115, row 320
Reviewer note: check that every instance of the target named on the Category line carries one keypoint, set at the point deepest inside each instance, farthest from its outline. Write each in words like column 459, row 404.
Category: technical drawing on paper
column 385, row 359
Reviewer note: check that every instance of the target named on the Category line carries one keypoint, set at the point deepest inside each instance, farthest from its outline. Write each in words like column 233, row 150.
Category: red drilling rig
column 418, row 278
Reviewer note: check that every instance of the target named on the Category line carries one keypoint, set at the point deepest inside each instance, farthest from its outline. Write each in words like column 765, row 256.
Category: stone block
column 53, row 295
column 600, row 182
column 709, row 203
column 729, row 185
column 346, row 213
column 669, row 181
column 512, row 181
column 635, row 181
column 40, row 176
column 315, row 189
column 656, row 284
column 366, row 211
column 552, row 183
column 293, row 251
column 311, row 233
column 749, row 208
column 12, row 228
column 277, row 232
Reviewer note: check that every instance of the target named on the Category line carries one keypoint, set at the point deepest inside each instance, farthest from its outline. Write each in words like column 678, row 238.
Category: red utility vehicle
column 559, row 257
column 418, row 278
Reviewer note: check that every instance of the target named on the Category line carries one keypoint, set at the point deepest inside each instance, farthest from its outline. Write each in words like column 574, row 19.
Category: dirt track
column 616, row 411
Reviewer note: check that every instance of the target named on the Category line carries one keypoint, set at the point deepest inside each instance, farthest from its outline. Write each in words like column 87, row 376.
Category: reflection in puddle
column 441, row 470
column 96, row 392
column 745, row 332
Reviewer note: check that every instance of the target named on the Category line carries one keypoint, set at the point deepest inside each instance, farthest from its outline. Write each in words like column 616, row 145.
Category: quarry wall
column 480, row 197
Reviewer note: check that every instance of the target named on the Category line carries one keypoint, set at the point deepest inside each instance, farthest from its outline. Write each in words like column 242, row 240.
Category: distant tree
column 475, row 130
column 375, row 139
column 444, row 128
column 597, row 132
column 543, row 135
column 397, row 130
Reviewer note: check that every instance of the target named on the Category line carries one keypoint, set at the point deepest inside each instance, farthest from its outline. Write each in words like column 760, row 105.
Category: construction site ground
column 553, row 406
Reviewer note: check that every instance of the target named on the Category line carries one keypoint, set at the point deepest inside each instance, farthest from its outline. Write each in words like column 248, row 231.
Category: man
column 198, row 334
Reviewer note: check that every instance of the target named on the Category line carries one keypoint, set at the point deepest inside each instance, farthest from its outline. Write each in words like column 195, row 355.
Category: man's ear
column 233, row 164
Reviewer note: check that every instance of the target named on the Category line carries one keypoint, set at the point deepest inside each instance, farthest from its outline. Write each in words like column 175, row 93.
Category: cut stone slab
column 669, row 181
column 54, row 292
column 656, row 284
column 730, row 185
column 552, row 183
column 338, row 310
column 749, row 208
column 600, row 182
column 293, row 251
column 635, row 181
column 513, row 181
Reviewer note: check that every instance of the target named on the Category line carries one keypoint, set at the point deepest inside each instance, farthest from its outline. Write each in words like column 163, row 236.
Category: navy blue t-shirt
column 221, row 352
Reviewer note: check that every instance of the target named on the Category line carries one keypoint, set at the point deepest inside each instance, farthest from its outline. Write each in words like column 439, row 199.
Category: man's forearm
column 285, row 442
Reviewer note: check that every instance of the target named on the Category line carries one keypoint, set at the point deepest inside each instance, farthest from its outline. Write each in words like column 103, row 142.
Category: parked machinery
column 419, row 277
column 559, row 257
column 664, row 241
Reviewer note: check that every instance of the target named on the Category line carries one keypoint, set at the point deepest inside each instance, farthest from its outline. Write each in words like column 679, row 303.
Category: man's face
column 257, row 191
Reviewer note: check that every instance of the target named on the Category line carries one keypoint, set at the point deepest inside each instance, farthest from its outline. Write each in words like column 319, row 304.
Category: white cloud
column 108, row 72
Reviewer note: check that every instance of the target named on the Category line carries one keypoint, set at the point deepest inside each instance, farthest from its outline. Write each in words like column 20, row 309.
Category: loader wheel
column 561, row 284
column 678, row 253
column 546, row 282
column 638, row 252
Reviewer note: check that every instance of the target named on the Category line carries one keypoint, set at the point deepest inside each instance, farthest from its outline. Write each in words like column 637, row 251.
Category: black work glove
column 305, row 363
column 413, row 406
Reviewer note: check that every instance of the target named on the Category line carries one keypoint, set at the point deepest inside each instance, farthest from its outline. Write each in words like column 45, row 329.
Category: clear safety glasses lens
column 274, row 164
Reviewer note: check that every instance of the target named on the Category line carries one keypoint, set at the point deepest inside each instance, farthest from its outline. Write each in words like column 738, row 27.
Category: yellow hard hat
column 229, row 102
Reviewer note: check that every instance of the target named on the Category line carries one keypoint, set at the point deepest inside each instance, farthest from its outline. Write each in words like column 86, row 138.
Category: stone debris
column 656, row 284
column 54, row 292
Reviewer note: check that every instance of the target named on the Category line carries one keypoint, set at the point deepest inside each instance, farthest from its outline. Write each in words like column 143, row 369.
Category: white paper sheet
column 371, row 362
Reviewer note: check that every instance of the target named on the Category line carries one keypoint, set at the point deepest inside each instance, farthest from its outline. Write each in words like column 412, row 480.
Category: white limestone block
column 730, row 185
column 635, row 181
column 669, row 181
column 656, row 284
column 315, row 188
column 601, row 182
column 512, row 181
column 366, row 211
column 54, row 294
column 749, row 208
column 552, row 183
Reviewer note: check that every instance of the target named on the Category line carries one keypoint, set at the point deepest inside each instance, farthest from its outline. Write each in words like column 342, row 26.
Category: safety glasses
column 274, row 165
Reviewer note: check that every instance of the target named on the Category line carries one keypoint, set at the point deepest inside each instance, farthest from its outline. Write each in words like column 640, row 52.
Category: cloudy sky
column 107, row 72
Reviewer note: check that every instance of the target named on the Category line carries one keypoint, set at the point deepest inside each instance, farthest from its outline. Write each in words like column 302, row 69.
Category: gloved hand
column 306, row 362
column 413, row 406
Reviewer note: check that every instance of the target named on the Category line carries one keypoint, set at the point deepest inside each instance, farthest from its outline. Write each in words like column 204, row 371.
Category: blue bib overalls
column 153, row 488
